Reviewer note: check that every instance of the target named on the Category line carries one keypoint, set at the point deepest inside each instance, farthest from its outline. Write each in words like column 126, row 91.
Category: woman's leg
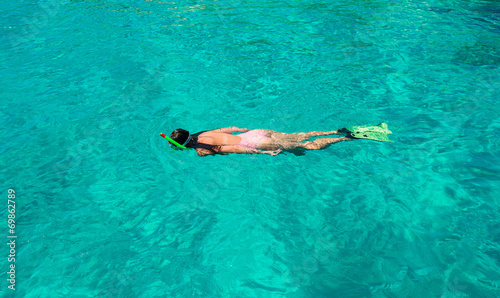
column 284, row 144
column 288, row 141
column 317, row 133
column 322, row 143
column 297, row 137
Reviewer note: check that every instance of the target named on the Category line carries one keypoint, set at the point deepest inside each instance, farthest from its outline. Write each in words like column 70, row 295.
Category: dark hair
column 181, row 135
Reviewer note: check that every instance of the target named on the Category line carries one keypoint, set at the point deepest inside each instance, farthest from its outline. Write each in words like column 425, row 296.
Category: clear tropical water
column 105, row 209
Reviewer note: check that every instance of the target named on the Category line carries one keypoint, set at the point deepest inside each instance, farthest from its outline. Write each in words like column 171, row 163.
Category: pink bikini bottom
column 251, row 139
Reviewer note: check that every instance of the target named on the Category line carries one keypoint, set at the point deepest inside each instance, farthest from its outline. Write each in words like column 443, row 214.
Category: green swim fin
column 376, row 133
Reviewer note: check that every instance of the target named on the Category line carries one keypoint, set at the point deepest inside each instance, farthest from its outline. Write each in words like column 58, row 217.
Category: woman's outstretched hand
column 243, row 130
column 273, row 153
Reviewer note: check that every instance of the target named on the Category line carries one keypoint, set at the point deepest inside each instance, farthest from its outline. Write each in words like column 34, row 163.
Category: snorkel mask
column 174, row 145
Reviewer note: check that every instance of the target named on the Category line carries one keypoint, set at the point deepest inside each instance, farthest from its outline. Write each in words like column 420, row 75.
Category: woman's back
column 218, row 138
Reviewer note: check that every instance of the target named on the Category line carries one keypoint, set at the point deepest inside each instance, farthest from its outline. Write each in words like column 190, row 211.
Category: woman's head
column 182, row 137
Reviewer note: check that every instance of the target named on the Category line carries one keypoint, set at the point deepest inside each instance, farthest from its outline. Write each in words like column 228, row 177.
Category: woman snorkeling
column 257, row 141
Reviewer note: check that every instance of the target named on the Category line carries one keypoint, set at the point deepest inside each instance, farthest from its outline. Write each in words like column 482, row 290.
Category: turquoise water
column 105, row 209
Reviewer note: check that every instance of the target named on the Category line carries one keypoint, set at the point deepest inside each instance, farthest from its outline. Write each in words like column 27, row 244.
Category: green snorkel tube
column 177, row 145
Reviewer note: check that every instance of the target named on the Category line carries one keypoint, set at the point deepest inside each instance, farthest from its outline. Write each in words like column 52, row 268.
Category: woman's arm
column 241, row 149
column 203, row 152
column 230, row 129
